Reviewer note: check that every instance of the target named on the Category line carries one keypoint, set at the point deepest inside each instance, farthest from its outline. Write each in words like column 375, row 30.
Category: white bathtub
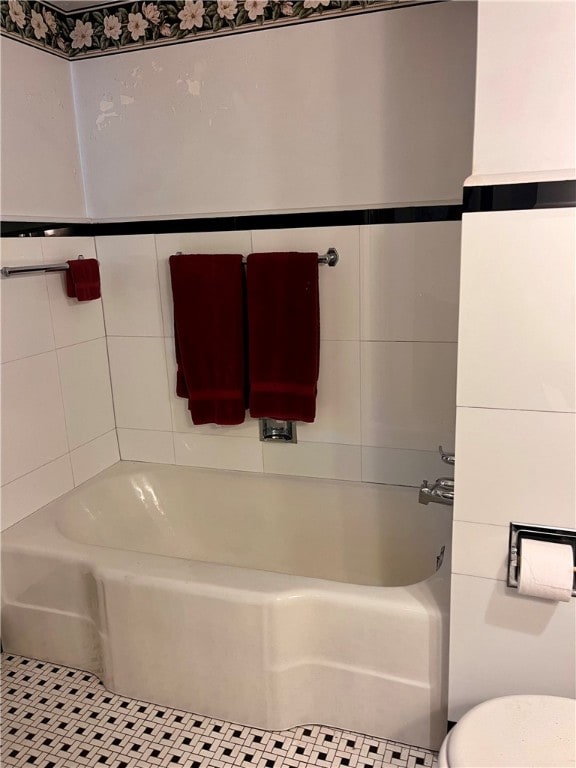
column 263, row 600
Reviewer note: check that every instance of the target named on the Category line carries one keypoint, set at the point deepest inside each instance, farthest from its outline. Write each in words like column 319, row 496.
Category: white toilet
column 514, row 732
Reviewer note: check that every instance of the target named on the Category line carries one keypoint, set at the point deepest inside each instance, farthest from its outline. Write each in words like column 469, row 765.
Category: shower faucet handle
column 447, row 458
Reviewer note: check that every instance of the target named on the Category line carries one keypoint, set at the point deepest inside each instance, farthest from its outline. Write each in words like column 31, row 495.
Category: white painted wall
column 41, row 172
column 516, row 415
column 368, row 111
column 525, row 119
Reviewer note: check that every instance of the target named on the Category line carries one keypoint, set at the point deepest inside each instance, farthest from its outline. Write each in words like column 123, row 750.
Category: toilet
column 514, row 732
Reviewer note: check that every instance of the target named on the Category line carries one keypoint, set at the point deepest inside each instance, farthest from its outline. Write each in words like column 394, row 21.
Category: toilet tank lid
column 516, row 732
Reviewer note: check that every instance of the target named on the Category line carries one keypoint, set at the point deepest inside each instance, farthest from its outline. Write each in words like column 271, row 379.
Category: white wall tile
column 146, row 445
column 338, row 400
column 527, row 462
column 59, row 249
column 181, row 418
column 408, row 395
column 130, row 292
column 410, row 279
column 143, row 369
column 192, row 242
column 341, row 462
column 139, row 383
column 503, row 643
column 26, row 320
column 86, row 391
column 242, row 453
column 74, row 321
column 53, row 401
column 479, row 549
column 25, row 495
column 33, row 426
column 20, row 251
column 399, row 467
column 517, row 318
column 94, row 457
column 339, row 285
column 183, row 423
column 25, row 331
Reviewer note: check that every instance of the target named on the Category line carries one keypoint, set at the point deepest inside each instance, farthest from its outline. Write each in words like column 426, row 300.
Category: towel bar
column 34, row 268
column 329, row 258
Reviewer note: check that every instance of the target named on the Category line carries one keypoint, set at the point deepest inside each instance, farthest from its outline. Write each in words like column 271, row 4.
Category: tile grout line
column 512, row 410
column 363, row 237
column 101, row 263
column 165, row 342
column 56, row 349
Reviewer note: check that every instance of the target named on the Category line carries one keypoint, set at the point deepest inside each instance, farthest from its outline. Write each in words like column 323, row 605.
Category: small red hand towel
column 83, row 279
column 208, row 292
column 284, row 335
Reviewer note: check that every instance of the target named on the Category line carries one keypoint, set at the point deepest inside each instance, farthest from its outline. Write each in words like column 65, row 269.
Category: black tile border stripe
column 501, row 197
column 517, row 197
column 400, row 215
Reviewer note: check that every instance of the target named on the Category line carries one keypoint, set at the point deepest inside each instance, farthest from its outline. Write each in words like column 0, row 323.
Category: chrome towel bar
column 34, row 269
column 330, row 257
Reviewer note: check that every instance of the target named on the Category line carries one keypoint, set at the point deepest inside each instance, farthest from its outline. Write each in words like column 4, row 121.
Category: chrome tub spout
column 440, row 492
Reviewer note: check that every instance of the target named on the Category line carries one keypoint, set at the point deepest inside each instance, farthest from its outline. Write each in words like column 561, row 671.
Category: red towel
column 208, row 293
column 284, row 335
column 83, row 279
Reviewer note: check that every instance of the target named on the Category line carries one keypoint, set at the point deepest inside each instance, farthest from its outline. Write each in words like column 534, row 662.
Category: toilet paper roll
column 546, row 570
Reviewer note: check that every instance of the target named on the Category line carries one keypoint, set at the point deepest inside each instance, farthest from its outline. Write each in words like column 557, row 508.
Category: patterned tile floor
column 57, row 717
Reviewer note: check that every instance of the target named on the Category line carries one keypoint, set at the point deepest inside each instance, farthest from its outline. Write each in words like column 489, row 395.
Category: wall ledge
column 492, row 179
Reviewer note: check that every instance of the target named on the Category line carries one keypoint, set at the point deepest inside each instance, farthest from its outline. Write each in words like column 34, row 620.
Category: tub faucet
column 440, row 492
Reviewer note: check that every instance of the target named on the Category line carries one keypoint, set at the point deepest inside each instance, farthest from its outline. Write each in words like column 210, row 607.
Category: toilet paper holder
column 520, row 531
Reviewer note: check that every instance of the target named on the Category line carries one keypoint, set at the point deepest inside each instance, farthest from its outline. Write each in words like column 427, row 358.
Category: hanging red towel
column 208, row 291
column 83, row 279
column 284, row 335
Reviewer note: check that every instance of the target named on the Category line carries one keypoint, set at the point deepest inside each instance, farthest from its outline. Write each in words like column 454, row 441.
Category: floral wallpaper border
column 130, row 26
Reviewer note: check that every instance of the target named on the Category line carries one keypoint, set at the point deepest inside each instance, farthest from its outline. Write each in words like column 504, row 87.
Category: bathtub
column 258, row 599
